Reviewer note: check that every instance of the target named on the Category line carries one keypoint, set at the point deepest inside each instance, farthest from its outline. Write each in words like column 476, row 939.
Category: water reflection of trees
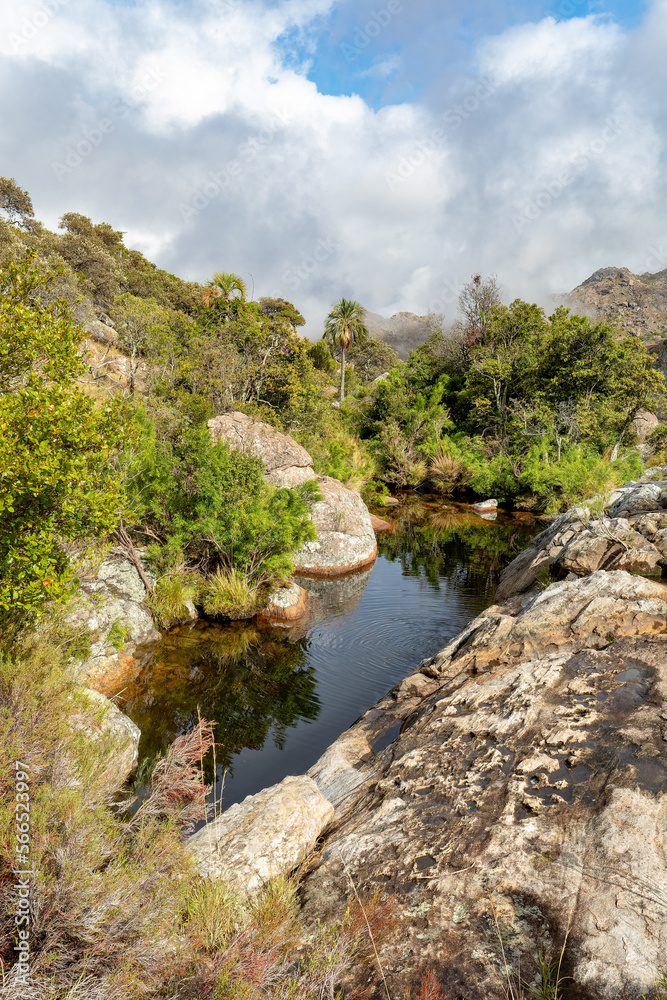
column 251, row 683
column 435, row 540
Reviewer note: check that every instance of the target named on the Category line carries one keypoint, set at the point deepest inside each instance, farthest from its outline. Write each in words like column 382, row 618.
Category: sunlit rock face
column 110, row 606
column 524, row 796
column 629, row 533
column 266, row 835
column 285, row 462
column 345, row 537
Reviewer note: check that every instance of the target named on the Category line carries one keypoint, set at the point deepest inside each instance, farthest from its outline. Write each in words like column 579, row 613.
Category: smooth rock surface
column 524, row 793
column 267, row 834
column 345, row 537
column 286, row 463
column 110, row 606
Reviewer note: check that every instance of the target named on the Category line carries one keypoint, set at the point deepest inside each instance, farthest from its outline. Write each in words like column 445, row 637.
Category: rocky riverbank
column 511, row 793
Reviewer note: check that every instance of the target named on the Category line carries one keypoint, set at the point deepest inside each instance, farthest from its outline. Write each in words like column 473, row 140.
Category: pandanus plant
column 226, row 286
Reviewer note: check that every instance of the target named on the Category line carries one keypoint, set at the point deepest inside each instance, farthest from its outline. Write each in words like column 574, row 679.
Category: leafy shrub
column 58, row 483
column 213, row 505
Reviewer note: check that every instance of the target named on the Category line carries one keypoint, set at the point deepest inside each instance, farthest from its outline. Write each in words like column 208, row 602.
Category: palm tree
column 224, row 285
column 345, row 324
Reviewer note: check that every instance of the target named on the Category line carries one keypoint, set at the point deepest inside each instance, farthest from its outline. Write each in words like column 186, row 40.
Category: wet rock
column 286, row 462
column 525, row 795
column 345, row 537
column 285, row 604
column 110, row 607
column 267, row 834
column 379, row 523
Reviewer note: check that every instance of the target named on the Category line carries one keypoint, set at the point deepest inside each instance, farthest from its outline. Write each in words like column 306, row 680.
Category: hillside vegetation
column 534, row 410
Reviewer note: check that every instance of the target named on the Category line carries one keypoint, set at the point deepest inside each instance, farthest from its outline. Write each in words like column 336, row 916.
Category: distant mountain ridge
column 404, row 331
column 636, row 303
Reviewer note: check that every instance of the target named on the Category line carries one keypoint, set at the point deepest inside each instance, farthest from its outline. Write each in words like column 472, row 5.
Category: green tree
column 145, row 329
column 345, row 325
column 58, row 483
column 214, row 505
column 15, row 203
column 371, row 357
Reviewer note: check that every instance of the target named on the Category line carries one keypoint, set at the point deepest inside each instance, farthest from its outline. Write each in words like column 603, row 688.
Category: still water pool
column 281, row 695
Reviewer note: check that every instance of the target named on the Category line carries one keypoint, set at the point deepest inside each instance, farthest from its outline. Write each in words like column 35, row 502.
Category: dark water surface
column 281, row 695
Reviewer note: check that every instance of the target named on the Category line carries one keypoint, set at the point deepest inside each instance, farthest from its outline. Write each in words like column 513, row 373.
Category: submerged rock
column 525, row 795
column 267, row 834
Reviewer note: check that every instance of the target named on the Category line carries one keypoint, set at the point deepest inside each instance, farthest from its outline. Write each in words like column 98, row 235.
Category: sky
column 381, row 150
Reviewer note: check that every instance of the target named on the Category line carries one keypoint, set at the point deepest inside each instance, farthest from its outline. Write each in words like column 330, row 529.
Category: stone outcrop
column 116, row 739
column 267, row 834
column 110, row 606
column 345, row 537
column 286, row 604
column 630, row 535
column 637, row 304
column 286, row 463
column 513, row 787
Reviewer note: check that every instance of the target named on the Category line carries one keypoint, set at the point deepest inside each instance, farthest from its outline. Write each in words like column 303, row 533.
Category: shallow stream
column 281, row 695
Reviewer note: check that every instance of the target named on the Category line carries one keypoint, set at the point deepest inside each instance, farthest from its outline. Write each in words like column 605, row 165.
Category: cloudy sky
column 379, row 150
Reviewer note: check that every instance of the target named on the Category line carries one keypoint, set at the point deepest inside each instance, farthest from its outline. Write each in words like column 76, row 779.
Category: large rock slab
column 110, row 606
column 286, row 463
column 345, row 537
column 267, row 834
column 525, row 796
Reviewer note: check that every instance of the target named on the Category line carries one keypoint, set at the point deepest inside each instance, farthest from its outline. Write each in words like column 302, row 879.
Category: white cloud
column 219, row 155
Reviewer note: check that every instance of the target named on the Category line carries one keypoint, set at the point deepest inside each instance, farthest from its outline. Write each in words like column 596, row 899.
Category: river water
column 281, row 695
